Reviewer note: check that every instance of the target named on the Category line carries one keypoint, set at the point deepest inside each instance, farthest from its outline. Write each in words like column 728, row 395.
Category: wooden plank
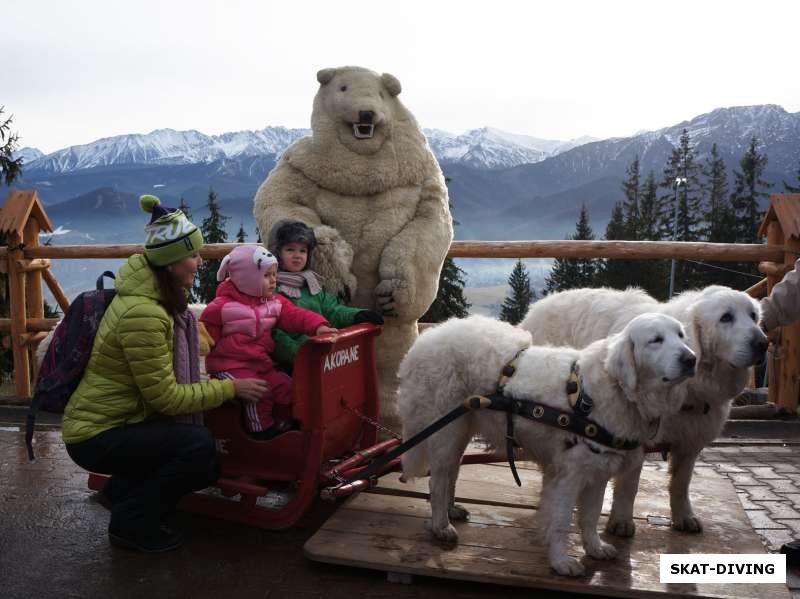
column 500, row 544
column 493, row 485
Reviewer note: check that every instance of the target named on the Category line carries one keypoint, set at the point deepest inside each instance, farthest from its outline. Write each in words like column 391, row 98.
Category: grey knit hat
column 291, row 231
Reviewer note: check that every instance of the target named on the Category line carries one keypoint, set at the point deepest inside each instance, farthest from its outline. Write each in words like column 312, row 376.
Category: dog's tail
column 415, row 460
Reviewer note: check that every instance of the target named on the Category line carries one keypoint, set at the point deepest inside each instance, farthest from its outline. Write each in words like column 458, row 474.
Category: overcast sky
column 73, row 72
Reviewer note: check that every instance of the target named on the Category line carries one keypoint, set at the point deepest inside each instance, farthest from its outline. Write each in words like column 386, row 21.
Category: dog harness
column 576, row 421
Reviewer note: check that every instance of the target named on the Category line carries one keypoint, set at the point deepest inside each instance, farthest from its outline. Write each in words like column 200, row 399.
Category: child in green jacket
column 292, row 241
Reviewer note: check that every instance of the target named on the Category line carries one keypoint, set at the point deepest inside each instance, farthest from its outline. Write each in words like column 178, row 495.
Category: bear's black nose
column 365, row 116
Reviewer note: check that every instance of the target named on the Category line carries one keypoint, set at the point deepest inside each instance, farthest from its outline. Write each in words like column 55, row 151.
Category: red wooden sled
column 271, row 484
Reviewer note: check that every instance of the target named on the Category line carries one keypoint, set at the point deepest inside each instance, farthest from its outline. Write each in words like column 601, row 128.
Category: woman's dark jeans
column 152, row 465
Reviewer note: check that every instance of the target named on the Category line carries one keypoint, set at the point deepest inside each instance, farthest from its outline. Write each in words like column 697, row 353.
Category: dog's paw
column 601, row 550
column 448, row 534
column 621, row 528
column 690, row 523
column 458, row 512
column 568, row 566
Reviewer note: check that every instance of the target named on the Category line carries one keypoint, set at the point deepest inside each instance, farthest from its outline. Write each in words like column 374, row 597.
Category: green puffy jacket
column 339, row 315
column 130, row 376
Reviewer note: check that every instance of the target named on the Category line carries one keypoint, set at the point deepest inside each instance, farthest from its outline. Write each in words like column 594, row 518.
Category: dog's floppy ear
column 620, row 363
column 700, row 338
column 325, row 75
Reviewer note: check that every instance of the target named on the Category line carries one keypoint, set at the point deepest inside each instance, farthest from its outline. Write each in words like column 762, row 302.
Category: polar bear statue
column 368, row 184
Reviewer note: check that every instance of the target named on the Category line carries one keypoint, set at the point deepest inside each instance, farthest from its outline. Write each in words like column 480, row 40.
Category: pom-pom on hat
column 169, row 236
column 245, row 265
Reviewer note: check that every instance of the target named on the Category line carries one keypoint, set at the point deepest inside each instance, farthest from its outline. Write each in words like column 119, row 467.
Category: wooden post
column 56, row 290
column 774, row 353
column 789, row 386
column 16, row 282
column 33, row 290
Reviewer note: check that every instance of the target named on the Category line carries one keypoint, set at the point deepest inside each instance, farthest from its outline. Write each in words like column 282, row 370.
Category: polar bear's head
column 359, row 106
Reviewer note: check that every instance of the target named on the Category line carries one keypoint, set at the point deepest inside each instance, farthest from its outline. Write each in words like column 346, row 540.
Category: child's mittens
column 368, row 316
column 204, row 340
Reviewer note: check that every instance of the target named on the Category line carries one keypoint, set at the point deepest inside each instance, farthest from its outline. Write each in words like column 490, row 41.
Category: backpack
column 68, row 354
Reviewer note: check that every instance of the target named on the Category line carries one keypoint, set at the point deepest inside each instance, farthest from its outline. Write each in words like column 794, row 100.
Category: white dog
column 628, row 377
column 722, row 327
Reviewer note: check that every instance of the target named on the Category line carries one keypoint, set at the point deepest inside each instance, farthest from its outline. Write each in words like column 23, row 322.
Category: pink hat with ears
column 246, row 265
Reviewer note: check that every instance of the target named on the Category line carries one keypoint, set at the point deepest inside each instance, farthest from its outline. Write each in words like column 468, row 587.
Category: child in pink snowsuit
column 240, row 321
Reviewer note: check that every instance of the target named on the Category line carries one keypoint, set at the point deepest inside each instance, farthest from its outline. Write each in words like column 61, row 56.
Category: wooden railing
column 28, row 259
column 627, row 250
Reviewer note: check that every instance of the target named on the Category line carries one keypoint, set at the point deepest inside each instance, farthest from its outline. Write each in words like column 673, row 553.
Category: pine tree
column 450, row 301
column 746, row 210
column 10, row 169
column 630, row 206
column 747, row 193
column 241, row 236
column 717, row 215
column 683, row 165
column 614, row 273
column 184, row 207
column 652, row 274
column 573, row 273
column 213, row 229
column 515, row 306
column 791, row 188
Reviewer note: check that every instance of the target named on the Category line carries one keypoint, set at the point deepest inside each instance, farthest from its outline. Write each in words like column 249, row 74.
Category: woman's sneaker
column 164, row 538
column 280, row 427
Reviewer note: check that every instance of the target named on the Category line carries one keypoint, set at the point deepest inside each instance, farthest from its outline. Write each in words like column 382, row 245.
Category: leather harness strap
column 576, row 421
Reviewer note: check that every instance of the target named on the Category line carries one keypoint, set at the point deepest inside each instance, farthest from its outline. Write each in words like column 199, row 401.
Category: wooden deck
column 385, row 530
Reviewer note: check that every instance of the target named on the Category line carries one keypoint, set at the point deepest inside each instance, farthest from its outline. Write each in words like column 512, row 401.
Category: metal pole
column 678, row 182
column 674, row 235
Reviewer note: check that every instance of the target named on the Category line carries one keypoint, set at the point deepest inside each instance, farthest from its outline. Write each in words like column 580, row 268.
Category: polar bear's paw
column 393, row 296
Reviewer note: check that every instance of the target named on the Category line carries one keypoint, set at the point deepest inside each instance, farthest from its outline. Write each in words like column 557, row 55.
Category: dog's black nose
column 688, row 362
column 365, row 116
column 759, row 346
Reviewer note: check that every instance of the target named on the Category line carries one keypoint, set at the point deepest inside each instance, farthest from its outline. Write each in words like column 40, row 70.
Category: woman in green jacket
column 292, row 241
column 118, row 421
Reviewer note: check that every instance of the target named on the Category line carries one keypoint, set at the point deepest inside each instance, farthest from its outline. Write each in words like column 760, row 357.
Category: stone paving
column 53, row 542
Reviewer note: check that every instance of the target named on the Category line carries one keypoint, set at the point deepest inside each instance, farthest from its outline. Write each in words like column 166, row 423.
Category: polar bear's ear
column 325, row 75
column 391, row 83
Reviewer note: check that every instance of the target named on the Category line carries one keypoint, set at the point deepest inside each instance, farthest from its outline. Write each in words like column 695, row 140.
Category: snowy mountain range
column 480, row 148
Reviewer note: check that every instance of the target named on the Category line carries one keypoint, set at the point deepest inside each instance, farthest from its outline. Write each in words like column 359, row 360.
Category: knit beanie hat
column 245, row 265
column 288, row 231
column 169, row 236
